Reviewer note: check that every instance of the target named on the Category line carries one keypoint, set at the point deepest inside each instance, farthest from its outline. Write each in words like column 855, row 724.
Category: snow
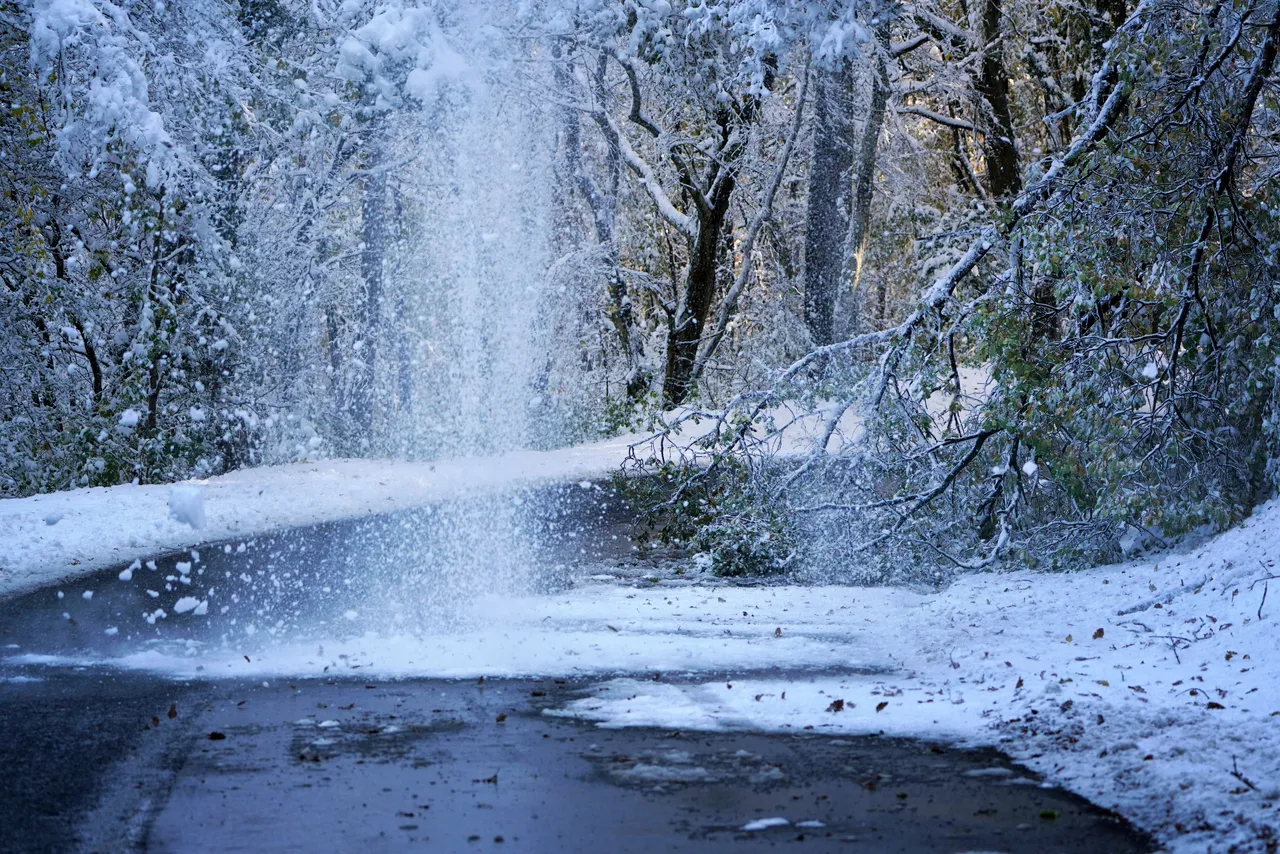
column 765, row 824
column 103, row 526
column 186, row 505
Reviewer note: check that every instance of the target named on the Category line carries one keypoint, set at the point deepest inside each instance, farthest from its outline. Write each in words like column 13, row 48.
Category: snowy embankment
column 54, row 537
column 49, row 538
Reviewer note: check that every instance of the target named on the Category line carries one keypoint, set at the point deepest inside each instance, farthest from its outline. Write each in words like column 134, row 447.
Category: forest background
column 1011, row 265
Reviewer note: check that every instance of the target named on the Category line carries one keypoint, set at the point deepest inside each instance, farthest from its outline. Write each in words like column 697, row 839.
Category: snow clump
column 186, row 505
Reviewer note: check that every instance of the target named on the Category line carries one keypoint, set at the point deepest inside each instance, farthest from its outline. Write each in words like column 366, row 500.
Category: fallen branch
column 1164, row 598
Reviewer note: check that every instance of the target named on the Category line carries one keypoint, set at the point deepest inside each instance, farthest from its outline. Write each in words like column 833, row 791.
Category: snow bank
column 97, row 527
column 58, row 536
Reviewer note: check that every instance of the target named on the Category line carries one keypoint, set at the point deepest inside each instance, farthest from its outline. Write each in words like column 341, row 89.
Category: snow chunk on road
column 186, row 505
column 647, row 773
column 765, row 823
column 189, row 603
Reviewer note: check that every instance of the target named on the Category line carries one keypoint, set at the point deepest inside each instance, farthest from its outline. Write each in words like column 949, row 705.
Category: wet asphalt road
column 94, row 761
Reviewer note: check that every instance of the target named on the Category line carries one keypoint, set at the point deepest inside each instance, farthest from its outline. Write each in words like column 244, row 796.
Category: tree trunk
column 603, row 203
column 855, row 247
column 1003, row 178
column 685, row 334
column 827, row 213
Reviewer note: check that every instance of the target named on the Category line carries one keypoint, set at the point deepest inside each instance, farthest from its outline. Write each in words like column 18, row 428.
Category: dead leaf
column 1213, row 705
column 880, row 706
column 1068, row 638
column 777, row 633
column 1018, row 687
column 1098, row 634
column 173, row 711
column 217, row 736
column 500, row 718
column 836, row 706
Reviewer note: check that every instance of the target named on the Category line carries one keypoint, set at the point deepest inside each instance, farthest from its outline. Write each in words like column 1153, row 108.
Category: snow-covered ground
column 47, row 538
column 1152, row 688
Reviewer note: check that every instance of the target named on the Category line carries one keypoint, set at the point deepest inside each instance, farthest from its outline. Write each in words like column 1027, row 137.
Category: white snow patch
column 186, row 505
column 765, row 823
column 646, row 773
column 119, row 523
